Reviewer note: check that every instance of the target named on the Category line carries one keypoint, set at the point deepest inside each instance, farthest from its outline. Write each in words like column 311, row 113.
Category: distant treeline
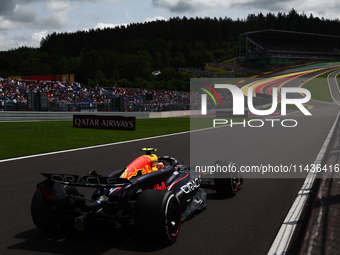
column 128, row 55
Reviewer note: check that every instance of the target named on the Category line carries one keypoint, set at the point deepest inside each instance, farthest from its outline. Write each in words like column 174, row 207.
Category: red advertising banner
column 104, row 122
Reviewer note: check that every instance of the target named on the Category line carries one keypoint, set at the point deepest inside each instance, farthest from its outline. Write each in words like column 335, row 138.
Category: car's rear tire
column 226, row 187
column 158, row 216
column 45, row 217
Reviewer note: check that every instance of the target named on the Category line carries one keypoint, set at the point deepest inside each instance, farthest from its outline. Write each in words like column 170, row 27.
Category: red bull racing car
column 154, row 194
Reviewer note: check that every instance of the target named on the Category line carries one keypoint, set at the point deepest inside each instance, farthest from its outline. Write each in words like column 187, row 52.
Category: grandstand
column 39, row 95
column 281, row 47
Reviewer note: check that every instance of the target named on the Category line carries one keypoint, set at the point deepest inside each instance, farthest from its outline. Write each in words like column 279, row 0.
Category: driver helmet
column 159, row 165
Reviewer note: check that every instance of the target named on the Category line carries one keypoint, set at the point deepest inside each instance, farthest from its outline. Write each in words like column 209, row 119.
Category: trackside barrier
column 39, row 116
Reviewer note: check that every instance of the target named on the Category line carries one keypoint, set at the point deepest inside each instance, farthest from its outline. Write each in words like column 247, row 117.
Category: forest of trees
column 129, row 55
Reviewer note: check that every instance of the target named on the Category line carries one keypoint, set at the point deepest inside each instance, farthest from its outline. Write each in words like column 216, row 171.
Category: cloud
column 191, row 6
column 180, row 6
column 58, row 17
column 23, row 14
column 29, row 40
column 330, row 10
column 6, row 43
column 7, row 24
column 39, row 35
column 149, row 19
column 57, row 6
column 7, row 6
column 55, row 15
column 36, row 20
column 102, row 25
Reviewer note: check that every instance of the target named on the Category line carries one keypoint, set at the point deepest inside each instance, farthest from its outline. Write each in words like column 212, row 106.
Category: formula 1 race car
column 154, row 194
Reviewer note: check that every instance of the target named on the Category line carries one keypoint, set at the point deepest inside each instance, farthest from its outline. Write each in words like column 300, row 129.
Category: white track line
column 284, row 236
column 336, row 82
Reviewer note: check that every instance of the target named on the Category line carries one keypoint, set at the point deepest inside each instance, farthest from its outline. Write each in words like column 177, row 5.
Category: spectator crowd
column 231, row 67
column 15, row 92
column 141, row 99
column 197, row 72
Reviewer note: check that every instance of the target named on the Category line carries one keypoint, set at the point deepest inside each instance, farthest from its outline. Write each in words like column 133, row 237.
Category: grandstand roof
column 290, row 35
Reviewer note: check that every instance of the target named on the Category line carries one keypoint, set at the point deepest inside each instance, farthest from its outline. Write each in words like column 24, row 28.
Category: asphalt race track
column 245, row 224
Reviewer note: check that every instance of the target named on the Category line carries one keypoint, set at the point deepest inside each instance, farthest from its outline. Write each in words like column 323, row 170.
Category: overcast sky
column 25, row 22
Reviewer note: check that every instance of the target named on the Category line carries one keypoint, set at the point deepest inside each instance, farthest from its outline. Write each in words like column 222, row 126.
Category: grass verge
column 29, row 138
column 318, row 87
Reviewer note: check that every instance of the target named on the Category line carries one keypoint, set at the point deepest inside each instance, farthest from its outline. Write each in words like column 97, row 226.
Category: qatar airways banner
column 104, row 122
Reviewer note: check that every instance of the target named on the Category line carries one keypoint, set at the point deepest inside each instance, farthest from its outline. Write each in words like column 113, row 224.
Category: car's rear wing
column 93, row 181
